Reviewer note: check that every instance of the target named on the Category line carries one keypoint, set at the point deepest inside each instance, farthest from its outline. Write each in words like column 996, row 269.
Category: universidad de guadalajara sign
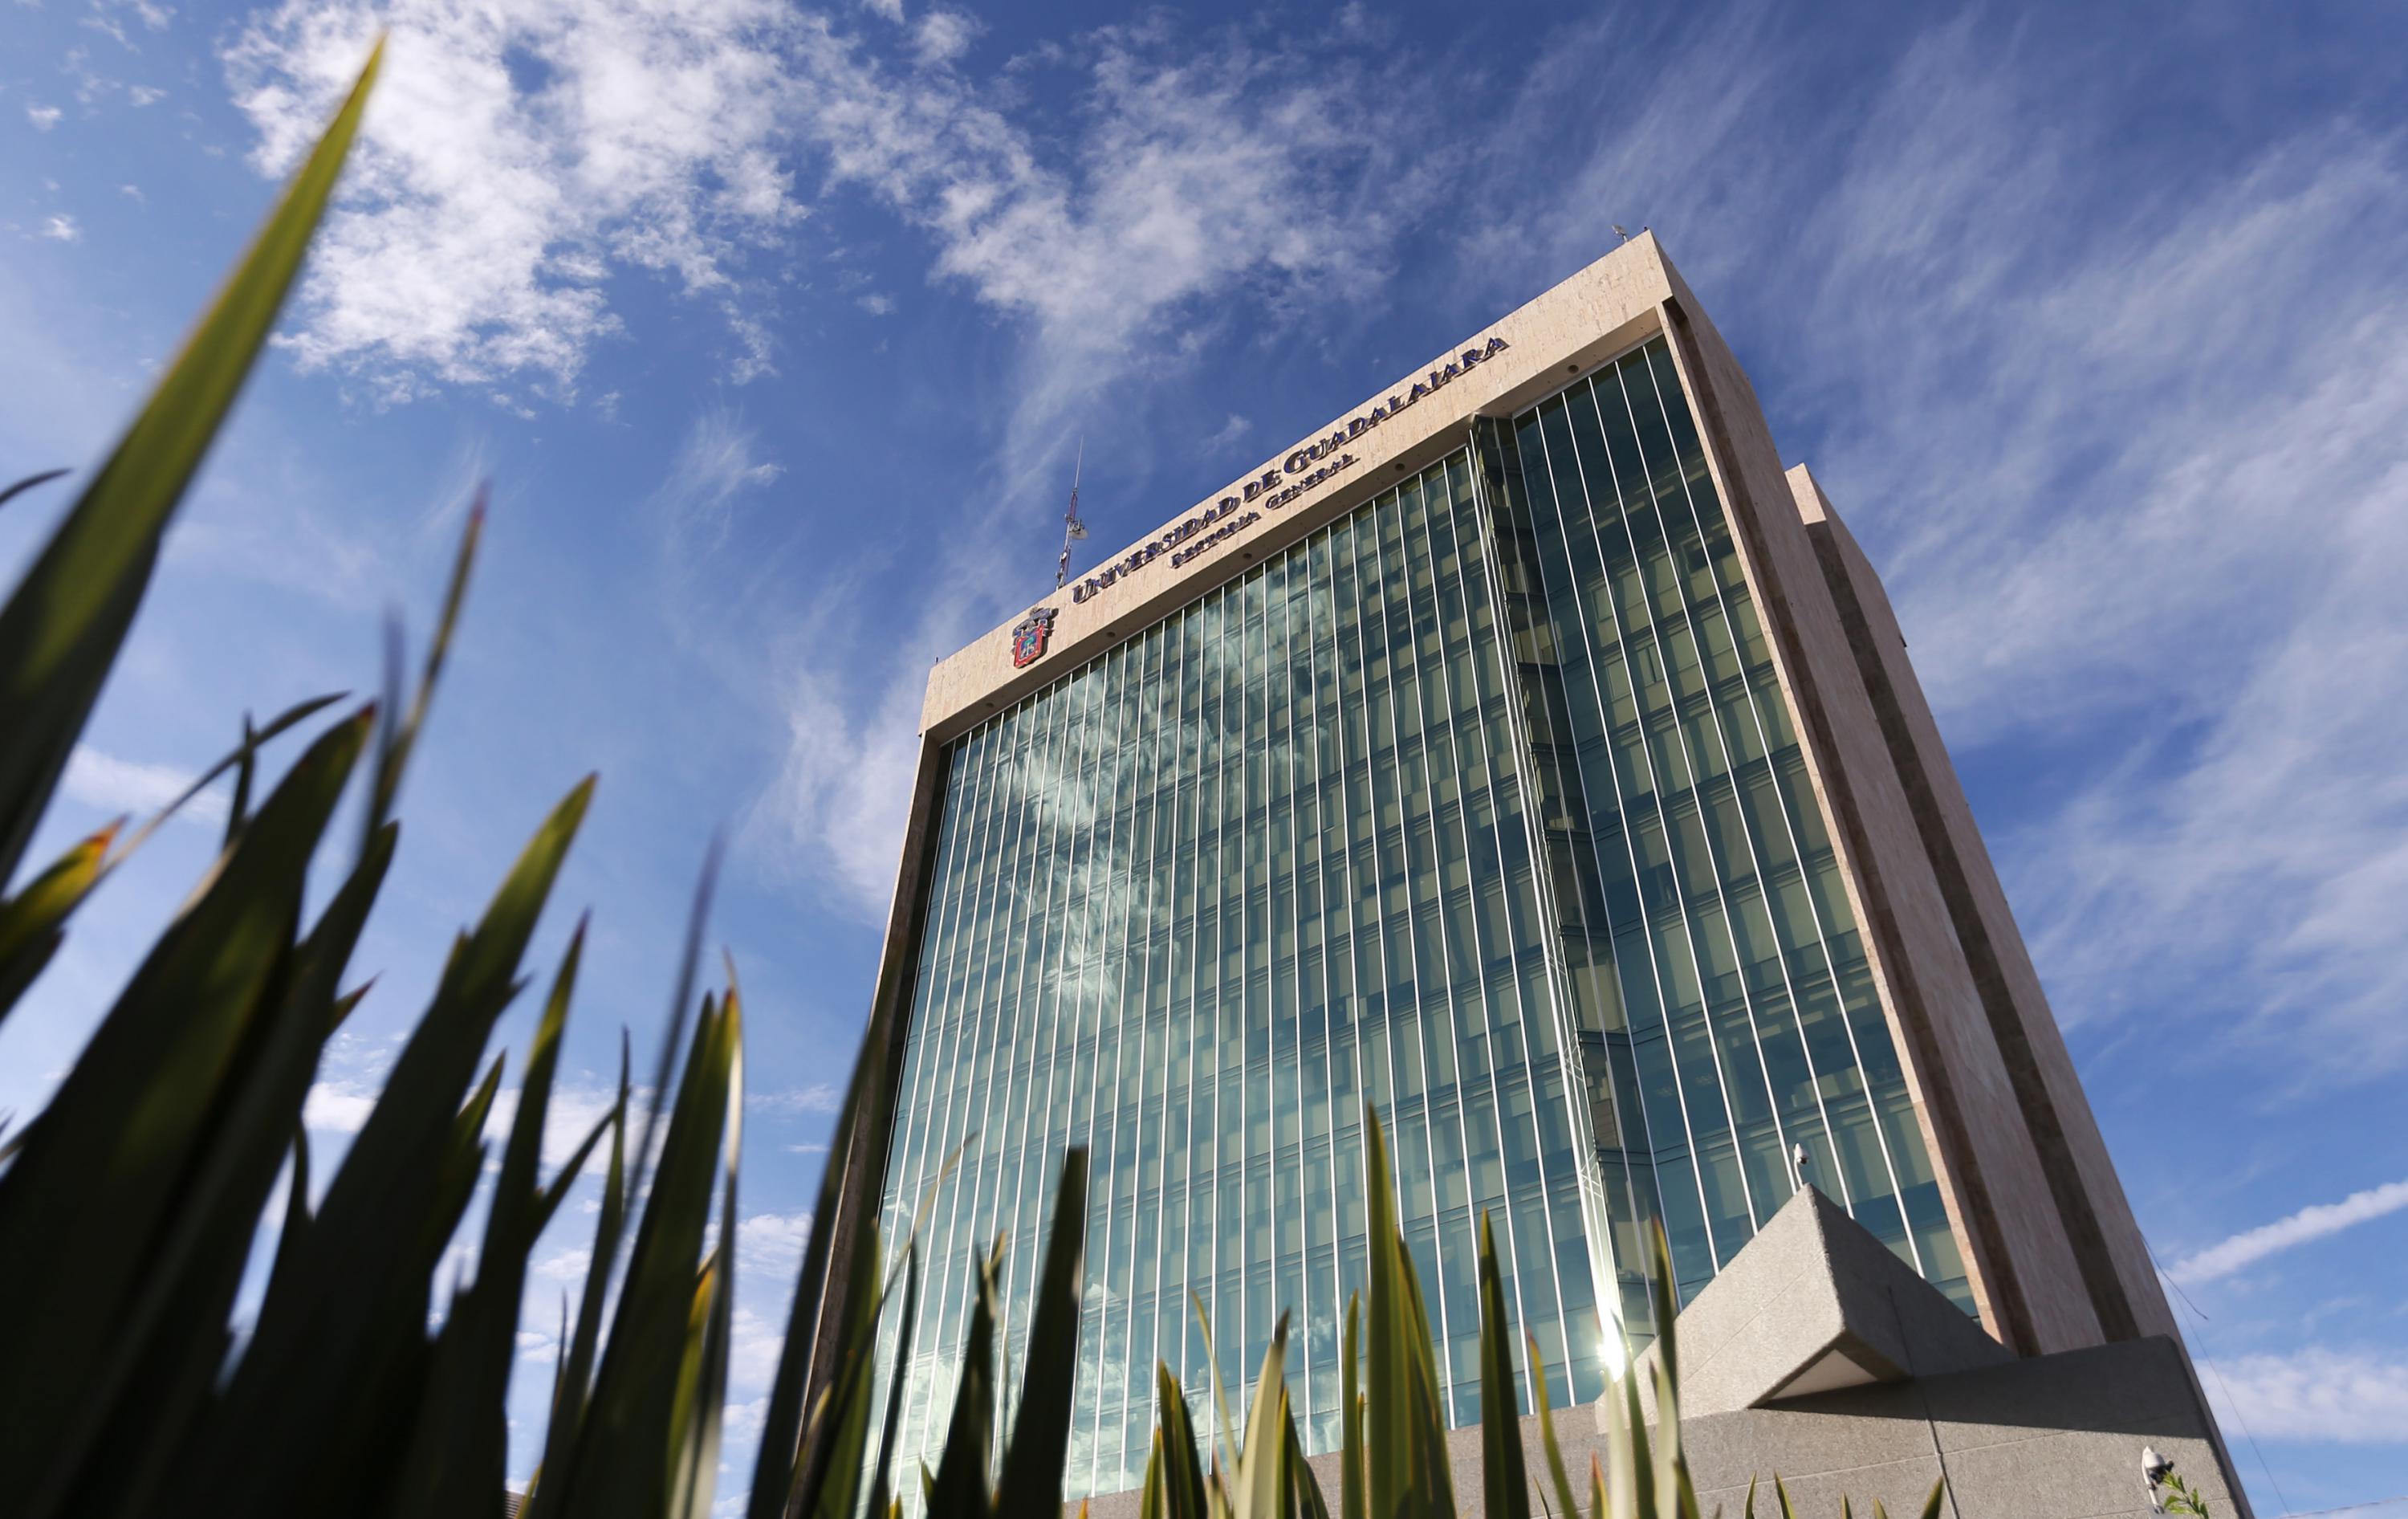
column 1289, row 481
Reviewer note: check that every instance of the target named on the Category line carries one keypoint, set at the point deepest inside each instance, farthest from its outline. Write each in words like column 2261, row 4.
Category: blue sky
column 775, row 329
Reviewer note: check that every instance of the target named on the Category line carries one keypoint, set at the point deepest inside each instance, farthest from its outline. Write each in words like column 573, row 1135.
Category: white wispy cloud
column 514, row 158
column 43, row 116
column 838, row 803
column 718, row 461
column 2313, row 1395
column 2251, row 1246
column 61, row 228
column 568, row 1117
column 818, row 1098
column 1204, row 166
column 337, row 1107
column 2161, row 536
column 134, row 787
column 1205, row 171
column 341, row 1105
column 944, row 35
column 1231, row 433
column 2119, row 525
column 769, row 1248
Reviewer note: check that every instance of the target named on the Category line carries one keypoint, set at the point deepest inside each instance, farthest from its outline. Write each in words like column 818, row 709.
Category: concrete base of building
column 2059, row 1437
column 1816, row 1356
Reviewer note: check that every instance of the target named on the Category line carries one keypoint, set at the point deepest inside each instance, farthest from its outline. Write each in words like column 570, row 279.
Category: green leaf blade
column 62, row 629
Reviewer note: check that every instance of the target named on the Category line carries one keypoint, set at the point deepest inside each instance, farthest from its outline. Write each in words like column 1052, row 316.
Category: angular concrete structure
column 1813, row 1305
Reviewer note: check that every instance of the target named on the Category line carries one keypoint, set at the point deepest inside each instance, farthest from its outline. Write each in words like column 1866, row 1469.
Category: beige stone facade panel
column 1597, row 314
column 2001, row 962
column 2021, row 1264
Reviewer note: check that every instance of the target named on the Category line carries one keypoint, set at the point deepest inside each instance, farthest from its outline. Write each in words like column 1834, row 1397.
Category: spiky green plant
column 129, row 1206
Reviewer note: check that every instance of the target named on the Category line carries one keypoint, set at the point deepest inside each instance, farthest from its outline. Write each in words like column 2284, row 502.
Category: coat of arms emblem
column 1029, row 639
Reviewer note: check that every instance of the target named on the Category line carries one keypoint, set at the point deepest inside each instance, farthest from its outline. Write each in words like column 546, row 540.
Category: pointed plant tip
column 29, row 482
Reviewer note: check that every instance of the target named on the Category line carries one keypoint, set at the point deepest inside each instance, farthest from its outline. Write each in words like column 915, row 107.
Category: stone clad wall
column 2002, row 967
column 2023, row 1267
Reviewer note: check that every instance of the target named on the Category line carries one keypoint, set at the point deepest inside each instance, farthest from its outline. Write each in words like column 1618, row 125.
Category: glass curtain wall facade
column 1390, row 818
column 1728, row 1010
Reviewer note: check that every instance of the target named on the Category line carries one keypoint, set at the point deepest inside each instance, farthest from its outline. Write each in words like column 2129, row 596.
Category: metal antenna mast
column 1072, row 528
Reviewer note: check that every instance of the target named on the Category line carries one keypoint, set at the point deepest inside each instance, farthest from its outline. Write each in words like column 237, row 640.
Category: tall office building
column 1527, row 755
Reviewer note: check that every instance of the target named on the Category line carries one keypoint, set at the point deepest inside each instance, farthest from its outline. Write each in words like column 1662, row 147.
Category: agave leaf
column 344, row 1003
column 1260, row 1473
column 1306, row 1499
column 519, row 1206
column 400, row 736
column 1351, row 1499
column 574, row 1167
column 1406, row 1449
column 1749, row 1512
column 695, row 1459
column 33, row 922
column 696, row 1424
column 846, row 1404
column 1621, row 1483
column 1182, row 1478
column 1225, row 1429
column 61, row 630
column 104, row 1174
column 330, row 1365
column 681, row 1000
column 559, row 1357
column 1671, row 1468
column 621, row 1463
column 833, row 1443
column 879, row 1479
column 1040, row 1434
column 476, row 985
column 296, row 1199
column 576, row 1373
column 1932, row 1501
column 838, row 1433
column 1506, row 1481
column 1556, row 1474
column 1638, row 1479
column 1149, row 1493
column 960, row 1491
column 240, row 808
column 848, row 1203
column 30, row 922
column 28, row 483
column 1781, row 1491
column 189, row 1292
column 240, row 757
column 460, row 1450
